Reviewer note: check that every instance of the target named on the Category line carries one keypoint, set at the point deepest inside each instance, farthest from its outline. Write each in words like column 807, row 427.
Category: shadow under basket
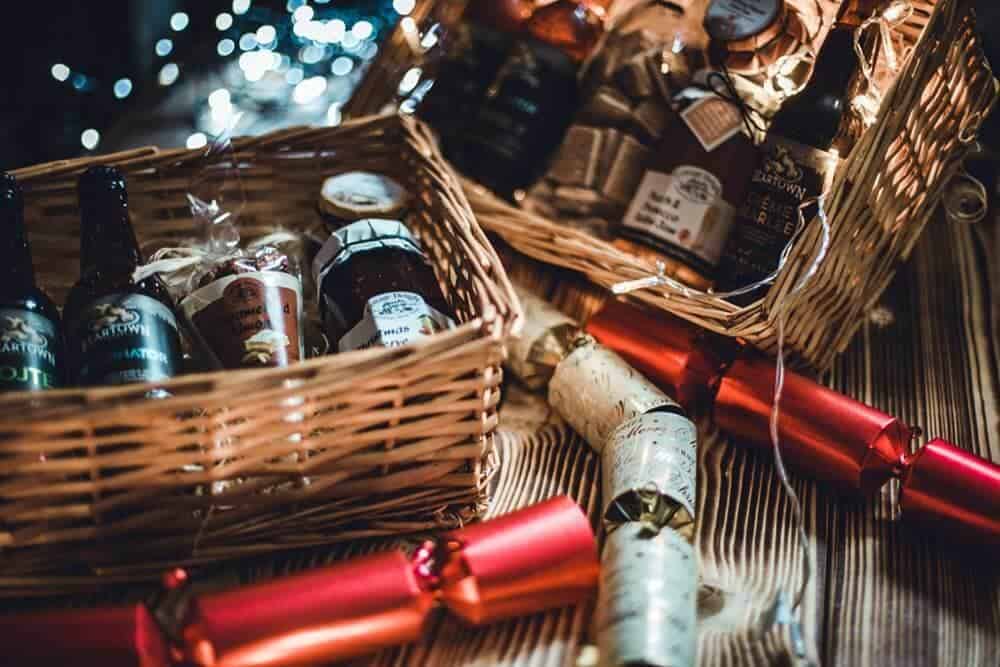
column 106, row 484
column 883, row 195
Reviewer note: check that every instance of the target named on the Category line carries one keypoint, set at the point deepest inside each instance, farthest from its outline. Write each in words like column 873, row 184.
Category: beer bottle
column 119, row 331
column 530, row 105
column 477, row 49
column 796, row 162
column 31, row 344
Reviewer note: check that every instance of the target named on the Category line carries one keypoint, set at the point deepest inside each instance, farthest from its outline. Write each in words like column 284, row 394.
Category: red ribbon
column 827, row 435
column 537, row 558
column 666, row 349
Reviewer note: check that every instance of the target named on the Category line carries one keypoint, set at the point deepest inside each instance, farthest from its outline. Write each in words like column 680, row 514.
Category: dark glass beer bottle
column 796, row 162
column 477, row 49
column 31, row 343
column 534, row 97
column 119, row 331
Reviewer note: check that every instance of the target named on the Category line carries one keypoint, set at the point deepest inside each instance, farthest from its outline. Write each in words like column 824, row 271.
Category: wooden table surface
column 884, row 593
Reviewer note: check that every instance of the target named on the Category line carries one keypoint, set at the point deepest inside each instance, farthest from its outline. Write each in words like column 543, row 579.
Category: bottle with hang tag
column 698, row 172
column 797, row 161
column 627, row 88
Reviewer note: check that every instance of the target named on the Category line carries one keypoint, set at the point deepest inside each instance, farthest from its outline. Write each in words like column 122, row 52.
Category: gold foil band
column 546, row 339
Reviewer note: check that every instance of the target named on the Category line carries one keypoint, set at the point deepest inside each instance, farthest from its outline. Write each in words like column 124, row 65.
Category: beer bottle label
column 124, row 339
column 787, row 174
column 29, row 343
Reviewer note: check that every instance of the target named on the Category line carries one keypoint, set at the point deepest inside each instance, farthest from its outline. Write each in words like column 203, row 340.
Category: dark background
column 41, row 119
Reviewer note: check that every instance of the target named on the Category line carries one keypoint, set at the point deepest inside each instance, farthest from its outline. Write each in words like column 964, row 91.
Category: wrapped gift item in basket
column 909, row 132
column 107, row 481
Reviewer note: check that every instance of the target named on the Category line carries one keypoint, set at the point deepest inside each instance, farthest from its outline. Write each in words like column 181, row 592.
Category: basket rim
column 501, row 314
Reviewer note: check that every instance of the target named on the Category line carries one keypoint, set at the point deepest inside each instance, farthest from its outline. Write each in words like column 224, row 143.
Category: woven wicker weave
column 881, row 199
column 358, row 444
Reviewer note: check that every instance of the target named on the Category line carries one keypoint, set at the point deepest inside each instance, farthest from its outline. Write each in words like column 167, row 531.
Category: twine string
column 782, row 305
column 175, row 265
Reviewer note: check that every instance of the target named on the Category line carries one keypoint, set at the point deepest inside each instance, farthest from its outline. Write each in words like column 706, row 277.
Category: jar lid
column 358, row 237
column 355, row 195
column 755, row 63
column 734, row 22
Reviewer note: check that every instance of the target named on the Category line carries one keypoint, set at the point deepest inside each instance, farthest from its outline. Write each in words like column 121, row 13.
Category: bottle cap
column 355, row 195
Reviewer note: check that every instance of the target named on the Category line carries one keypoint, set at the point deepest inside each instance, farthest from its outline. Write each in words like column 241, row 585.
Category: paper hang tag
column 712, row 120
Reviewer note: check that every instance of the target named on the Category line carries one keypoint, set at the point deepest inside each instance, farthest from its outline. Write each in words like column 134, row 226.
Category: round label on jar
column 394, row 319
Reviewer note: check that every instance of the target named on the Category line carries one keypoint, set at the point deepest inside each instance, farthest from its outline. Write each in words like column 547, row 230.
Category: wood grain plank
column 928, row 358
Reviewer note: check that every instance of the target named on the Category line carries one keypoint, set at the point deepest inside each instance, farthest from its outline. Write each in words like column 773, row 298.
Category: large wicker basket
column 366, row 443
column 882, row 197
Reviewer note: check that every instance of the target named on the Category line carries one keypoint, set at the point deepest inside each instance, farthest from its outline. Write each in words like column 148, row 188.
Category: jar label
column 652, row 451
column 713, row 121
column 648, row 600
column 29, row 345
column 126, row 338
column 250, row 319
column 394, row 319
column 685, row 211
column 787, row 174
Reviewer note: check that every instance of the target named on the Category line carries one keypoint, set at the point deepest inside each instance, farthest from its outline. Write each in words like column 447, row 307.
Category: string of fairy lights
column 268, row 60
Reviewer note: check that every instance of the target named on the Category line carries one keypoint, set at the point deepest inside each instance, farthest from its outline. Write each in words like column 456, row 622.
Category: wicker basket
column 365, row 443
column 882, row 197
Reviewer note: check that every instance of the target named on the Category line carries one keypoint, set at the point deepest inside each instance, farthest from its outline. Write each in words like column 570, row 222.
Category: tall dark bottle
column 119, row 331
column 31, row 344
column 478, row 47
column 796, row 162
column 532, row 100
